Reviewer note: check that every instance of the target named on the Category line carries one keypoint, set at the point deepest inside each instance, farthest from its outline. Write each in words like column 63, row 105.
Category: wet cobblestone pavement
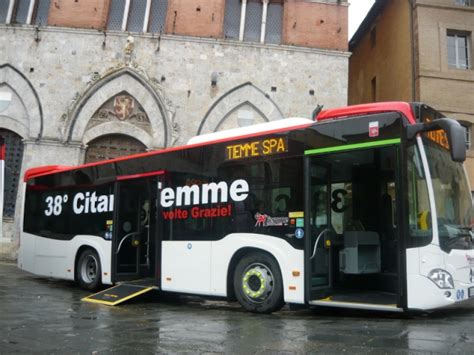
column 47, row 316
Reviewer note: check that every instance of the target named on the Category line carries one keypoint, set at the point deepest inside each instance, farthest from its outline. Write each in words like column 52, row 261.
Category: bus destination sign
column 439, row 136
column 257, row 148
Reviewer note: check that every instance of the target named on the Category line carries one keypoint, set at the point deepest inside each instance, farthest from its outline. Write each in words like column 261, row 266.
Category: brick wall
column 308, row 23
column 314, row 24
column 79, row 13
column 202, row 18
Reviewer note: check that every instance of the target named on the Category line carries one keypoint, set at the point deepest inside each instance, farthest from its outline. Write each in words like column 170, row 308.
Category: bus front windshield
column 454, row 207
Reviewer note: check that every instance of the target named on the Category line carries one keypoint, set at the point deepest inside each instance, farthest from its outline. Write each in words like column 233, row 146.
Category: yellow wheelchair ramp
column 118, row 294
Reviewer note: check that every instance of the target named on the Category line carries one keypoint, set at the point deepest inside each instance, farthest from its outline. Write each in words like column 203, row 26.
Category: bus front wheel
column 258, row 283
column 88, row 271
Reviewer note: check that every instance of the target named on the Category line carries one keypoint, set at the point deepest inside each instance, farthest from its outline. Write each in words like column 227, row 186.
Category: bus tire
column 258, row 283
column 88, row 270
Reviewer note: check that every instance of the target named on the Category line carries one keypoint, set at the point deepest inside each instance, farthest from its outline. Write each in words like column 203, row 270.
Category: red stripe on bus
column 2, row 152
column 138, row 176
column 44, row 170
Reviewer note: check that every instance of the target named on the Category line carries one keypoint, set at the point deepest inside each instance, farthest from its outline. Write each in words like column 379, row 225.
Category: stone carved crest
column 123, row 106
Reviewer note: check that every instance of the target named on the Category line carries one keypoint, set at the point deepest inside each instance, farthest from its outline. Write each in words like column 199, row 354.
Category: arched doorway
column 13, row 159
column 112, row 146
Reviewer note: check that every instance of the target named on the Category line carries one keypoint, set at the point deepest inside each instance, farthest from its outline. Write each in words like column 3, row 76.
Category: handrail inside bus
column 317, row 240
column 123, row 239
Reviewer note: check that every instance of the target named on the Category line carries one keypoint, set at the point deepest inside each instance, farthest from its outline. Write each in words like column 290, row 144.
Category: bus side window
column 419, row 212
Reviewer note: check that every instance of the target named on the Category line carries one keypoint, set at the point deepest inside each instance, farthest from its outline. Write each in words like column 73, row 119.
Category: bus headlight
column 441, row 278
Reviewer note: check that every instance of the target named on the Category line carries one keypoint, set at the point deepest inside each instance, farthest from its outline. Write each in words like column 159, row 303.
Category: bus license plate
column 471, row 292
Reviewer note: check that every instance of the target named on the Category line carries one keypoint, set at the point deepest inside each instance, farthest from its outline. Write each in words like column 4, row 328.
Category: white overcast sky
column 357, row 11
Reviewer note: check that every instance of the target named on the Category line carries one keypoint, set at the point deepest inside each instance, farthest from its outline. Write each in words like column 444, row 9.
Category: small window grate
column 13, row 159
column 253, row 22
column 158, row 16
column 274, row 23
column 21, row 11
column 4, row 4
column 42, row 11
column 116, row 10
column 232, row 19
column 136, row 16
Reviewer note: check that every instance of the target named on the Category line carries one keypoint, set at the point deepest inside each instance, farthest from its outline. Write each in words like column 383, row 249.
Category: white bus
column 365, row 207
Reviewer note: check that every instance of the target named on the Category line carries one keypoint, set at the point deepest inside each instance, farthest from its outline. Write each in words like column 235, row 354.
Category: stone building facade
column 418, row 50
column 96, row 79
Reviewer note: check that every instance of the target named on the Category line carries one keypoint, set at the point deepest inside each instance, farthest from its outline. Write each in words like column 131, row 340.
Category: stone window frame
column 444, row 29
column 466, row 37
column 31, row 15
column 127, row 12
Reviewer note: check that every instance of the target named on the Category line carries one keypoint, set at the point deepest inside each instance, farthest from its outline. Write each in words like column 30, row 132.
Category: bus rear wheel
column 88, row 271
column 258, row 283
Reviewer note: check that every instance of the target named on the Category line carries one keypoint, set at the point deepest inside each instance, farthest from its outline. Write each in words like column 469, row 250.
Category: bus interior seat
column 361, row 253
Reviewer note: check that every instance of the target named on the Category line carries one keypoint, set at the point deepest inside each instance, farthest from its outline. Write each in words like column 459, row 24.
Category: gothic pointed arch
column 144, row 90
column 244, row 114
column 22, row 111
column 247, row 97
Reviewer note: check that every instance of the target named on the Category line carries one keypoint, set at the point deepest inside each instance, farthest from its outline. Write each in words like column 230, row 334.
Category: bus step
column 118, row 294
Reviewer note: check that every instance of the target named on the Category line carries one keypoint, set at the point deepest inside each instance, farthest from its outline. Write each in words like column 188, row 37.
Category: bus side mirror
column 452, row 129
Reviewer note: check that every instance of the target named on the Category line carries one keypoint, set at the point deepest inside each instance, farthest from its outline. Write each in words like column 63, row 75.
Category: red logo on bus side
column 373, row 129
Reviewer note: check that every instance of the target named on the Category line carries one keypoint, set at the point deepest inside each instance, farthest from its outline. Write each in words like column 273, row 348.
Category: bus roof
column 266, row 127
column 364, row 109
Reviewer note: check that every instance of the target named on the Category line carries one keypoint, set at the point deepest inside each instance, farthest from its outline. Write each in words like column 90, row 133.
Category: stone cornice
column 175, row 38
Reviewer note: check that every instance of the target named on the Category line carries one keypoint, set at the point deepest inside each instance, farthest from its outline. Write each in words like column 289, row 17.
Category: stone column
column 126, row 10
column 242, row 20
column 264, row 20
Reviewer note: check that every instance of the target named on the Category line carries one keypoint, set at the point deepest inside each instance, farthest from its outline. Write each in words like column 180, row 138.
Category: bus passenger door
column 134, row 234
column 318, row 256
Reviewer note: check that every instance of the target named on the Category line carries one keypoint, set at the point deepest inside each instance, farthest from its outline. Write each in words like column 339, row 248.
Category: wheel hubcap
column 89, row 269
column 257, row 283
